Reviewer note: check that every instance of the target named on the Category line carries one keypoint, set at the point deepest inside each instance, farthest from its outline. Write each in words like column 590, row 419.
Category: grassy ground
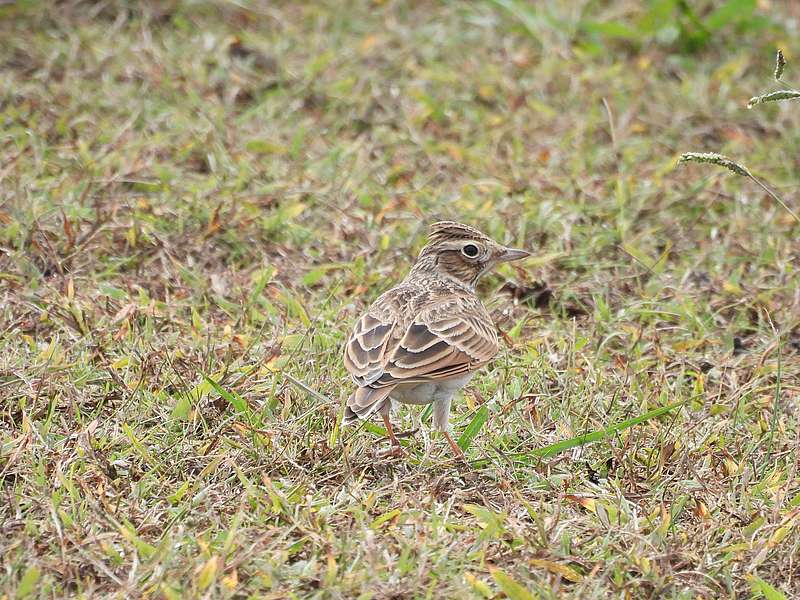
column 199, row 189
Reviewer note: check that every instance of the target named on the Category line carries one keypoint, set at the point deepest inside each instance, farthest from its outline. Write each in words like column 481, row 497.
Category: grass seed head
column 780, row 65
column 774, row 97
column 714, row 159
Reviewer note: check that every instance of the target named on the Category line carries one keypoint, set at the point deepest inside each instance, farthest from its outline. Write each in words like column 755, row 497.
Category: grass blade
column 474, row 427
column 235, row 400
column 592, row 436
column 511, row 588
column 601, row 434
column 762, row 588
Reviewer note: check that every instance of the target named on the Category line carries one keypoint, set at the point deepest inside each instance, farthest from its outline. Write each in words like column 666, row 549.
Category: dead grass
column 202, row 189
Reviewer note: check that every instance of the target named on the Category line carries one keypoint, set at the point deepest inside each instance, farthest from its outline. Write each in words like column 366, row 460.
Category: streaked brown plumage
column 421, row 341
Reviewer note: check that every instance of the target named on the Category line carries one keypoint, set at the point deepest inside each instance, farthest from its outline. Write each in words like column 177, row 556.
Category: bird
column 422, row 341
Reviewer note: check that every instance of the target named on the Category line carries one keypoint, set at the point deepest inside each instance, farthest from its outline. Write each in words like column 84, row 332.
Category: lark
column 422, row 341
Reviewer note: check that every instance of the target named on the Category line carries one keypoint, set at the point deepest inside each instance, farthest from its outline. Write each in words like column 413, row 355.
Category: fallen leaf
column 565, row 571
column 700, row 509
column 589, row 504
column 214, row 223
column 208, row 573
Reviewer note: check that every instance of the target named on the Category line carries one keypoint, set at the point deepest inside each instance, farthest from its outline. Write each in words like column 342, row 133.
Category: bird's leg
column 456, row 450
column 397, row 449
column 441, row 417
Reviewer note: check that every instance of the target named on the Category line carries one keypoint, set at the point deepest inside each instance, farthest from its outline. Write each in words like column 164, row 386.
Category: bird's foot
column 396, row 450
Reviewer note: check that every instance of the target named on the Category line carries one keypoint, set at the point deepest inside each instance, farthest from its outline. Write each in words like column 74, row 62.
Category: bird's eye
column 470, row 251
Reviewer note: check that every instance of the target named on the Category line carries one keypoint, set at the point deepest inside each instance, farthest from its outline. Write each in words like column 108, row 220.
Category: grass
column 198, row 199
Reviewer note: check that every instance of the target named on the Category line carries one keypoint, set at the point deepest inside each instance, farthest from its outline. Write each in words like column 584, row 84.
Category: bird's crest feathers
column 450, row 230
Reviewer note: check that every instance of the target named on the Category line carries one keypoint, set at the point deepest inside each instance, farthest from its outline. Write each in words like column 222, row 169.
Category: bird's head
column 463, row 252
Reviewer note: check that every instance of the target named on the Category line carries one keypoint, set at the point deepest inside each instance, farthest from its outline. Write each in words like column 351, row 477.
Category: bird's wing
column 446, row 338
column 366, row 348
column 451, row 337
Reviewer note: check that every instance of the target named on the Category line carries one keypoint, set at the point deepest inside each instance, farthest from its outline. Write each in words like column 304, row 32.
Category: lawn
column 197, row 200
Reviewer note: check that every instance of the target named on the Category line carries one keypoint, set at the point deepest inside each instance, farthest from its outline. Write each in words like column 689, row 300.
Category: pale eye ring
column 470, row 251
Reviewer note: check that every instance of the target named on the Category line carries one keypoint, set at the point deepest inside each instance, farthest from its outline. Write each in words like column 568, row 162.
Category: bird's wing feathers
column 449, row 338
column 445, row 338
column 364, row 353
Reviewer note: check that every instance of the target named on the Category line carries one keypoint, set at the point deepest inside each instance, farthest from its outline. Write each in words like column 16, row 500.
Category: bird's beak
column 510, row 254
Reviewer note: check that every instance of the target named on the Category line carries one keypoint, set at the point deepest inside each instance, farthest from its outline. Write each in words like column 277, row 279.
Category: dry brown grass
column 190, row 189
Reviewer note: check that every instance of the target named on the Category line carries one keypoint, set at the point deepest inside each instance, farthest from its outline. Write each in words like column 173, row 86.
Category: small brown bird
column 422, row 341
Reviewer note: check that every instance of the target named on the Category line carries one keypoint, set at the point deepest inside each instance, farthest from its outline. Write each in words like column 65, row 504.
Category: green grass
column 197, row 200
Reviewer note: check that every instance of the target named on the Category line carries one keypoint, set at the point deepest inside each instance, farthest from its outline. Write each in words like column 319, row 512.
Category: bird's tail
column 364, row 402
